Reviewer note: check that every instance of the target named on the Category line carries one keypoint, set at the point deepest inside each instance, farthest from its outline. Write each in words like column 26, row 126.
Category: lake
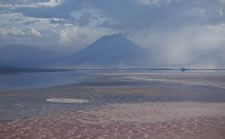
column 102, row 101
column 40, row 79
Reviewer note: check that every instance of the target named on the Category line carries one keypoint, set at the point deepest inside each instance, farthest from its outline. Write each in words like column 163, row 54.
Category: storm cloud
column 176, row 32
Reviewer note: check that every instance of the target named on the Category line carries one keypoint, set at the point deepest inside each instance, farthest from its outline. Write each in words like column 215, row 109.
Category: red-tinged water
column 82, row 125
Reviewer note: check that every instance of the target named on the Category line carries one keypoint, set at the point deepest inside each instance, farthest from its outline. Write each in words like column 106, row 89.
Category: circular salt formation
column 66, row 100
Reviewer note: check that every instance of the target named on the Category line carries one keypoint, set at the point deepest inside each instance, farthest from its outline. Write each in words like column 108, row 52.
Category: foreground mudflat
column 139, row 120
column 119, row 106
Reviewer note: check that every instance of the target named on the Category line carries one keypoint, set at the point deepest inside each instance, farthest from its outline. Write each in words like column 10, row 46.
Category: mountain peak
column 108, row 50
column 112, row 41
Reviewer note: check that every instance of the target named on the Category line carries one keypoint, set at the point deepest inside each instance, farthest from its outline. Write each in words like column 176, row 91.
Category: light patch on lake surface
column 67, row 100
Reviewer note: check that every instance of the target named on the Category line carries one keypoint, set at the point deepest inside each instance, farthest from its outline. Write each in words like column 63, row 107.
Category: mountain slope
column 109, row 50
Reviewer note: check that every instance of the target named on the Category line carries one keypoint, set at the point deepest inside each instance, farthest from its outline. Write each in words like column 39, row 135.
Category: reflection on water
column 47, row 79
column 38, row 79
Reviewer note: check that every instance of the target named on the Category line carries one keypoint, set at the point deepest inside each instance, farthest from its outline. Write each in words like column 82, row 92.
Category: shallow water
column 48, row 79
column 173, row 103
column 100, row 88
column 39, row 79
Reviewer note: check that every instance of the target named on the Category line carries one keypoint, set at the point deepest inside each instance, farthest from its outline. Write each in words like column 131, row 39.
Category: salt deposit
column 66, row 100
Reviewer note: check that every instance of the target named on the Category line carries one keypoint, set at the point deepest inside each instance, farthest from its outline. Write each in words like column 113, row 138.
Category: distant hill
column 24, row 56
column 109, row 50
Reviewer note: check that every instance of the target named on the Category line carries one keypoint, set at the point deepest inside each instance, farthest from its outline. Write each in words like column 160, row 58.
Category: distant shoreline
column 9, row 70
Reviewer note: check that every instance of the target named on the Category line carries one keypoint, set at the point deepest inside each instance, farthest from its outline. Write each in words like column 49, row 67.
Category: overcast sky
column 188, row 32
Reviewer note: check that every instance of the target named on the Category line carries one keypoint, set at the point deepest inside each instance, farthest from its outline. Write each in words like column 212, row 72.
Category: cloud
column 89, row 17
column 51, row 9
column 185, row 46
column 131, row 14
column 176, row 31
column 59, row 21
column 31, row 22
column 47, row 31
column 14, row 32
column 79, row 36
column 31, row 4
column 154, row 1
